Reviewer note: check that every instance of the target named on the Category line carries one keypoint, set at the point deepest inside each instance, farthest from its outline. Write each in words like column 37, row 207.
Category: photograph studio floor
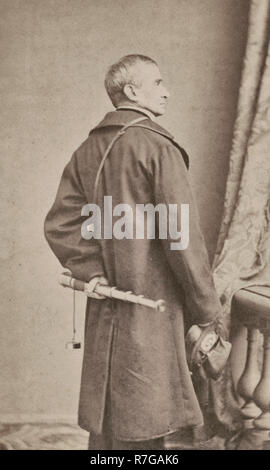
column 44, row 436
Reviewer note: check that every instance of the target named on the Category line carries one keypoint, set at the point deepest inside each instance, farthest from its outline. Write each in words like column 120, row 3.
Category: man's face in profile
column 151, row 93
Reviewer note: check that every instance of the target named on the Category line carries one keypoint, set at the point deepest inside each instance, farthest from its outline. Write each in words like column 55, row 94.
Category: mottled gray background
column 54, row 55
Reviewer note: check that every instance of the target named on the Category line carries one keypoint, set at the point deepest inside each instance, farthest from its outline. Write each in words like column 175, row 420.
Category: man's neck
column 136, row 108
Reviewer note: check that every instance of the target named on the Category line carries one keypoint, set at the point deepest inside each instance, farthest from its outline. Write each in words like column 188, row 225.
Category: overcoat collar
column 122, row 117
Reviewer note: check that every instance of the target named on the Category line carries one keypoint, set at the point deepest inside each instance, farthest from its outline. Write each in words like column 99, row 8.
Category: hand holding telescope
column 98, row 288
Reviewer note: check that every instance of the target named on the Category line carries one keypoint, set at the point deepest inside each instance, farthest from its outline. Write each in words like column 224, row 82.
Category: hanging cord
column 116, row 137
column 73, row 344
column 74, row 316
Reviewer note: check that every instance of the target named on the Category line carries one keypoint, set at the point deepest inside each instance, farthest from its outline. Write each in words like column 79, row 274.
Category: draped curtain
column 243, row 248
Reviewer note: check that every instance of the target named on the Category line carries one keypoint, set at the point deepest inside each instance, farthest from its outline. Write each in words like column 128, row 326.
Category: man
column 136, row 387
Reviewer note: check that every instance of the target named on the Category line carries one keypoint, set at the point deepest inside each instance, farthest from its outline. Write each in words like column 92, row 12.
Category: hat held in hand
column 205, row 348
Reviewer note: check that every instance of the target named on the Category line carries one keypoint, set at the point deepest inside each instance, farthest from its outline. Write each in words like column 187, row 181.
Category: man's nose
column 165, row 93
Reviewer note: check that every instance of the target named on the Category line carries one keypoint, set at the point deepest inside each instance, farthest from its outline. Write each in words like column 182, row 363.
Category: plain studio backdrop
column 54, row 55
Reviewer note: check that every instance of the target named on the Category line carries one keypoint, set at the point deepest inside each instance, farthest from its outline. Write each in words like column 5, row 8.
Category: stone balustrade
column 251, row 308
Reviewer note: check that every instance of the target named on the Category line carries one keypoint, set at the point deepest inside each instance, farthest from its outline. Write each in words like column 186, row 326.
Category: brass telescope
column 111, row 293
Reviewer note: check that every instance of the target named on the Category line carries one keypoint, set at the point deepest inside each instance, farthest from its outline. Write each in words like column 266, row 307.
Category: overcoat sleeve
column 63, row 228
column 190, row 266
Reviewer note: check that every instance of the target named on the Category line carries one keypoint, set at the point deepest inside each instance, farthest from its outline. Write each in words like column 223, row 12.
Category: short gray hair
column 120, row 74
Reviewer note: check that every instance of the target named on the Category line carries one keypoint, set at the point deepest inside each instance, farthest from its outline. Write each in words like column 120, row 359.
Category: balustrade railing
column 251, row 308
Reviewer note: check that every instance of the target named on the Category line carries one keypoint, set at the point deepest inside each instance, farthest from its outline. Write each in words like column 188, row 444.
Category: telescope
column 66, row 280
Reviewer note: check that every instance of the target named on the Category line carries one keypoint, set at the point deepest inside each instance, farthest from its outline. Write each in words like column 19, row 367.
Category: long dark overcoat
column 143, row 350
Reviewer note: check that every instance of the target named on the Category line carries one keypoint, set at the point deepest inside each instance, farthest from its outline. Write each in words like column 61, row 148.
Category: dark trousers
column 107, row 442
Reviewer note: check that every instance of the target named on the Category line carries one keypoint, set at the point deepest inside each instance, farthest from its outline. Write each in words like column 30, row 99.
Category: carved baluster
column 249, row 379
column 262, row 392
column 253, row 310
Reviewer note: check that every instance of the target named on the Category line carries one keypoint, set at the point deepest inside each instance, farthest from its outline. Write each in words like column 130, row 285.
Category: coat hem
column 145, row 438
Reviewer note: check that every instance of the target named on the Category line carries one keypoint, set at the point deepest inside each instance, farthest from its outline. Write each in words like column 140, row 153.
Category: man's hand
column 216, row 325
column 93, row 284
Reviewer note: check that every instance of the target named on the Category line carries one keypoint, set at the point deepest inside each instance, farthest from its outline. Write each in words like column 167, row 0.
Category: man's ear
column 130, row 92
